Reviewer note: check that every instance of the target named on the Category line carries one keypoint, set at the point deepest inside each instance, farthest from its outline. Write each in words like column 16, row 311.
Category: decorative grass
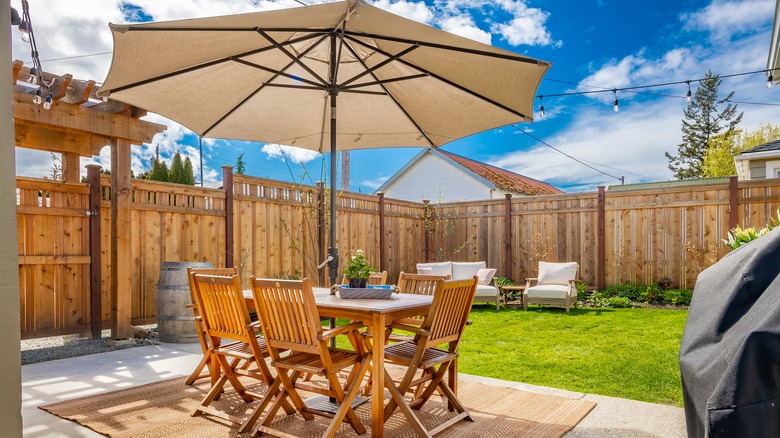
column 626, row 353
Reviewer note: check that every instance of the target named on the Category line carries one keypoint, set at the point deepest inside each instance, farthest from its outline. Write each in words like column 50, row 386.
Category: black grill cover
column 730, row 352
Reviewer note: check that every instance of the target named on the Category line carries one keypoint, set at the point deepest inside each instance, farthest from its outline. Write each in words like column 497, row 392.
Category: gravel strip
column 62, row 347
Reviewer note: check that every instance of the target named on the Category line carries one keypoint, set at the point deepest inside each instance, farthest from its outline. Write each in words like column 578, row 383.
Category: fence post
column 601, row 241
column 321, row 229
column 733, row 202
column 382, row 239
column 95, row 274
column 227, row 185
column 427, row 224
column 508, row 235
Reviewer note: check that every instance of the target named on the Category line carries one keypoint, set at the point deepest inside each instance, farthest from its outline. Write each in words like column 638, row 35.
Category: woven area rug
column 162, row 409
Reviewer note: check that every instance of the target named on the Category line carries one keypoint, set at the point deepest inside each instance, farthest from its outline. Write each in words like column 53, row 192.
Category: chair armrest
column 529, row 280
column 326, row 335
column 410, row 328
column 409, row 321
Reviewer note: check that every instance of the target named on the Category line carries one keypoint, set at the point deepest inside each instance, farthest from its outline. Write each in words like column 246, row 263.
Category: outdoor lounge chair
column 556, row 285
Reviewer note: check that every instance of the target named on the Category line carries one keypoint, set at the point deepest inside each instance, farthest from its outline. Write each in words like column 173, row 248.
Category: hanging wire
column 36, row 71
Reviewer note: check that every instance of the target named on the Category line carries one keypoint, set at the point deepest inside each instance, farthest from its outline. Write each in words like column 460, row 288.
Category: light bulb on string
column 48, row 101
column 770, row 81
column 688, row 95
column 38, row 96
column 32, row 78
column 616, row 105
column 24, row 29
column 541, row 106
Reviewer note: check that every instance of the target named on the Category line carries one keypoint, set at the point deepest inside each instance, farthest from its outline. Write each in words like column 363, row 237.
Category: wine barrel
column 175, row 322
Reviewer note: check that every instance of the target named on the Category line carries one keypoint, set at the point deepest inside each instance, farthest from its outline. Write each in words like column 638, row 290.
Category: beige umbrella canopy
column 278, row 76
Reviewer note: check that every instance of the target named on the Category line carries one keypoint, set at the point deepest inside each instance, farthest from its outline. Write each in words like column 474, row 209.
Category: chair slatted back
column 377, row 278
column 288, row 314
column 420, row 284
column 449, row 311
column 224, row 272
column 222, row 304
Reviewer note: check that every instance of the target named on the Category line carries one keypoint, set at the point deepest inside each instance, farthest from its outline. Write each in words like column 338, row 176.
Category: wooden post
column 733, row 202
column 71, row 164
column 121, row 238
column 227, row 185
column 601, row 241
column 321, row 228
column 428, row 224
column 382, row 239
column 508, row 235
column 95, row 274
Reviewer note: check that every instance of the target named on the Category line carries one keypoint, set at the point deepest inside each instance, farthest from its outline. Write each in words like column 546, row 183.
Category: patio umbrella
column 277, row 77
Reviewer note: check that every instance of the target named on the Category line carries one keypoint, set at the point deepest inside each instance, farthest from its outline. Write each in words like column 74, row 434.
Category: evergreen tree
column 240, row 165
column 703, row 122
column 719, row 159
column 177, row 174
column 159, row 171
column 188, row 172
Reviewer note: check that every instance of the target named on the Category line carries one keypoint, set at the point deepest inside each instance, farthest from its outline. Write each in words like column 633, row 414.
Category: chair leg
column 345, row 400
column 397, row 399
column 196, row 374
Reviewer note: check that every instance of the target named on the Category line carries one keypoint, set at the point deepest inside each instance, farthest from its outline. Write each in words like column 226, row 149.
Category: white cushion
column 466, row 270
column 485, row 291
column 547, row 291
column 485, row 275
column 440, row 268
column 556, row 273
column 426, row 270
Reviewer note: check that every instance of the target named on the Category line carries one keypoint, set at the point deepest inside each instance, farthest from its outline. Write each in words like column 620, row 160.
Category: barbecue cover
column 730, row 352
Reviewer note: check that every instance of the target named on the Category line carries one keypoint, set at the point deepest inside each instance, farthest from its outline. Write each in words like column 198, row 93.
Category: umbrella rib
column 378, row 66
column 445, row 80
column 296, row 59
column 280, row 73
column 384, row 81
column 446, row 47
column 400, row 107
column 207, row 64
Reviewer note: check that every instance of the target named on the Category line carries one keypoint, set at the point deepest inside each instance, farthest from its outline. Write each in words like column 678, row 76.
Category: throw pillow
column 557, row 273
column 485, row 275
column 425, row 271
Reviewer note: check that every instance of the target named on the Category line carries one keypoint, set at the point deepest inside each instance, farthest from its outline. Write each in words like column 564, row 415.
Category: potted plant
column 358, row 270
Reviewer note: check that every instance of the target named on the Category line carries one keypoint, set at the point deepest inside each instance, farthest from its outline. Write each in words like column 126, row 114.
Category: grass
column 626, row 353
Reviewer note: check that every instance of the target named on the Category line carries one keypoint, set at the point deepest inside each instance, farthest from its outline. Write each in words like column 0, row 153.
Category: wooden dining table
column 375, row 314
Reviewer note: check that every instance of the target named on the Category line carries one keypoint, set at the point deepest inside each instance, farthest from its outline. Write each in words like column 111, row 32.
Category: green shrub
column 582, row 292
column 600, row 299
column 677, row 296
column 738, row 236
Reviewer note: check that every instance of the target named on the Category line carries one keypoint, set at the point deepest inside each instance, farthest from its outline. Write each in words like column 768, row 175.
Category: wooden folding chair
column 289, row 318
column 444, row 324
column 198, row 373
column 420, row 284
column 224, row 314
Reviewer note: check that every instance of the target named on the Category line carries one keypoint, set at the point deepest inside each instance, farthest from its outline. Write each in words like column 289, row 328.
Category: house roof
column 492, row 176
column 766, row 147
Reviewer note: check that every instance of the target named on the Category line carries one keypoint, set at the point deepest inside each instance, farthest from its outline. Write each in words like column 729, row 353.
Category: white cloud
column 374, row 184
column 723, row 19
column 464, row 26
column 417, row 11
column 526, row 27
column 296, row 155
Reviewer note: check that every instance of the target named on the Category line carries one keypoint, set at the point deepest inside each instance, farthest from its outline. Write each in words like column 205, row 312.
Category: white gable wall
column 437, row 180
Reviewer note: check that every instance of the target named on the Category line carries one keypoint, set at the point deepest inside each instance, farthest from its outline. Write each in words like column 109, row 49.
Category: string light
column 770, row 81
column 48, row 101
column 616, row 105
column 38, row 96
column 541, row 106
column 32, row 78
column 36, row 71
column 688, row 95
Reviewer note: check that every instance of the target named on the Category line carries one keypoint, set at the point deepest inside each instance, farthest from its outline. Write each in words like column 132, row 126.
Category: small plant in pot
column 358, row 270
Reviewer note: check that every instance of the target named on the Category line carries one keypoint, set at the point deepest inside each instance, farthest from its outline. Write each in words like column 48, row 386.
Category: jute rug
column 162, row 409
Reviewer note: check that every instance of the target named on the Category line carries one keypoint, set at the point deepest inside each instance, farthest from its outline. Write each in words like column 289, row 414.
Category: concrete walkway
column 48, row 382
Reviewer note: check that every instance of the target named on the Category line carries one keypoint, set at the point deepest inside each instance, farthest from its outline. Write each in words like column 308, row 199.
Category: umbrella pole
column 333, row 251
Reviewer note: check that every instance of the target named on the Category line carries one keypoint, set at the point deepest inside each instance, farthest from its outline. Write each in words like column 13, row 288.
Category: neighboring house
column 441, row 176
column 760, row 162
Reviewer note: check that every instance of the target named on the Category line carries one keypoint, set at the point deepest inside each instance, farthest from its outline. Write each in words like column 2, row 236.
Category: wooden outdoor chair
column 444, row 324
column 224, row 314
column 198, row 373
column 421, row 284
column 288, row 315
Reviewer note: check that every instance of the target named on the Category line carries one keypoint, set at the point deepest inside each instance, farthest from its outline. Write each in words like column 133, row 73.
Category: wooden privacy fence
column 272, row 229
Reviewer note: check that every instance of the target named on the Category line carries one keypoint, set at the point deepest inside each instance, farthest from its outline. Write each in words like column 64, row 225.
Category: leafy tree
column 703, row 121
column 240, row 164
column 719, row 158
column 177, row 174
column 159, row 171
column 188, row 172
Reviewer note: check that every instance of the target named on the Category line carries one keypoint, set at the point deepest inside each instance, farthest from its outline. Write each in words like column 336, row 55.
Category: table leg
column 378, row 375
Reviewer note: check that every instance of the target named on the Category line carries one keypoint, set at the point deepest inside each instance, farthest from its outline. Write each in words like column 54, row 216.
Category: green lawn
column 627, row 353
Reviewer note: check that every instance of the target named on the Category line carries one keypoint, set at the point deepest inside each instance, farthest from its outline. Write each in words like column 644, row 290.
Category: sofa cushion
column 486, row 291
column 425, row 270
column 440, row 268
column 466, row 270
column 548, row 291
column 556, row 273
column 485, row 275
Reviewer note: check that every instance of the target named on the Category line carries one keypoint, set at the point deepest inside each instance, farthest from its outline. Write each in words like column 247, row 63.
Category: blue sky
column 592, row 44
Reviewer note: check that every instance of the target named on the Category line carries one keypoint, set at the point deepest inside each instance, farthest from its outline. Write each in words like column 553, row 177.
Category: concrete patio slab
column 53, row 381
